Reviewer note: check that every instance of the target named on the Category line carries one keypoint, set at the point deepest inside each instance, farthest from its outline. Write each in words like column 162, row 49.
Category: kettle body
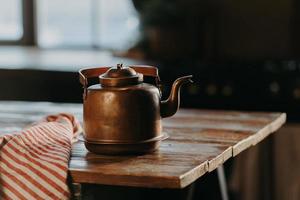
column 122, row 114
column 128, row 114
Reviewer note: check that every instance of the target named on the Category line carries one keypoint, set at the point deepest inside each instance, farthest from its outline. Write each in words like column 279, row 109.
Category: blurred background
column 244, row 55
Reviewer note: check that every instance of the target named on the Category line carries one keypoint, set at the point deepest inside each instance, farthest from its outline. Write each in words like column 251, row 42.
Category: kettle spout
column 170, row 106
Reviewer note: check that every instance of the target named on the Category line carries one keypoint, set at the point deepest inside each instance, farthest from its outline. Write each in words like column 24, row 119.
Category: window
column 105, row 24
column 117, row 24
column 64, row 23
column 11, row 24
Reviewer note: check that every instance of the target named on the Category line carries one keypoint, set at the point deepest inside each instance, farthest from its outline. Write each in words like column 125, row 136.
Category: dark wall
column 221, row 30
column 34, row 85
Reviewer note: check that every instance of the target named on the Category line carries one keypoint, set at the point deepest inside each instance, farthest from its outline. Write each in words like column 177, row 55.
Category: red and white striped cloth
column 34, row 162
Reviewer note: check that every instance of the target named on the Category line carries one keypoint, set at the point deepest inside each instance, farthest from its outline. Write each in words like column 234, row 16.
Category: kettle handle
column 86, row 73
column 146, row 70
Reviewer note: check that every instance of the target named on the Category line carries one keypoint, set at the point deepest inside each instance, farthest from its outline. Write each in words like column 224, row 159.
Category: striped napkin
column 34, row 162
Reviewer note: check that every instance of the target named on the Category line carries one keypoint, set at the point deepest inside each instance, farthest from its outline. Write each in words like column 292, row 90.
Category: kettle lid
column 120, row 76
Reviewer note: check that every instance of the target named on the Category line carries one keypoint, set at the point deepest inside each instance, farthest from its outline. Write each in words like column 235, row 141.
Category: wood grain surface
column 199, row 142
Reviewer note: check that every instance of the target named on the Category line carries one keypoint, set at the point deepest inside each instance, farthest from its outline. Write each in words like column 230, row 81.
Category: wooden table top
column 199, row 142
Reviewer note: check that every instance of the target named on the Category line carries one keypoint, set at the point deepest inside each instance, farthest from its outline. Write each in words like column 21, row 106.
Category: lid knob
column 120, row 76
column 120, row 66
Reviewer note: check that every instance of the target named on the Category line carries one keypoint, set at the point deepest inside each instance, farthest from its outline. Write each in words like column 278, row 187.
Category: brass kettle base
column 125, row 148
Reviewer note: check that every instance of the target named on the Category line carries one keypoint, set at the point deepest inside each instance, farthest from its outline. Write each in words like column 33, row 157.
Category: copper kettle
column 122, row 114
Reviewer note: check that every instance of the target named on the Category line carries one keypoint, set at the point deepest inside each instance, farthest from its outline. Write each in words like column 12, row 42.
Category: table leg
column 190, row 192
column 222, row 182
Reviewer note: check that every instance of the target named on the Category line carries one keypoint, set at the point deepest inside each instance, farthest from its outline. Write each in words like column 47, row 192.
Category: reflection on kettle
column 122, row 114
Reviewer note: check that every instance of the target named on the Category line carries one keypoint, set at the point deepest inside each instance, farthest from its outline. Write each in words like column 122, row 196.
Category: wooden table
column 200, row 141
